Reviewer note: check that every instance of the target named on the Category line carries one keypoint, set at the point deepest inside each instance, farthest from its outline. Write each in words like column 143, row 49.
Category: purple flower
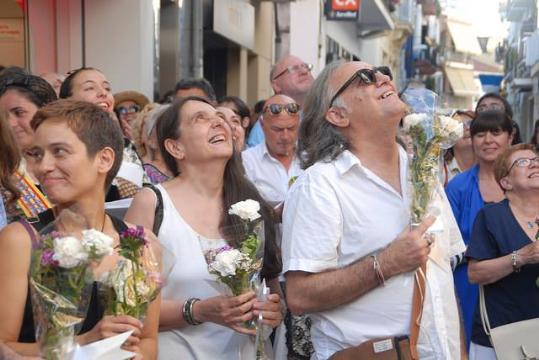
column 47, row 258
column 212, row 253
column 136, row 233
column 224, row 248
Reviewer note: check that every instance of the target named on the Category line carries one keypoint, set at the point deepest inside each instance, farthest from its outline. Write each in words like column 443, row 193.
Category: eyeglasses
column 524, row 162
column 276, row 109
column 365, row 76
column 127, row 110
column 491, row 106
column 294, row 69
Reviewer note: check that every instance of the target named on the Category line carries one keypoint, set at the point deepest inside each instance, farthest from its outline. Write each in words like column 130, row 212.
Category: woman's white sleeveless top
column 190, row 278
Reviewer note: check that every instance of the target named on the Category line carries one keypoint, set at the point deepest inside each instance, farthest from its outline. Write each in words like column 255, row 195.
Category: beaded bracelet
column 187, row 311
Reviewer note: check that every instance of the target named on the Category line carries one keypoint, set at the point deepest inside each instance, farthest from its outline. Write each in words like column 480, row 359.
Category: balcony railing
column 406, row 11
column 531, row 49
column 519, row 10
column 521, row 70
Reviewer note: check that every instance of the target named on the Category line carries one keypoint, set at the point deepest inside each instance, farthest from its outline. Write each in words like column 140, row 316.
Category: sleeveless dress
column 95, row 308
column 190, row 278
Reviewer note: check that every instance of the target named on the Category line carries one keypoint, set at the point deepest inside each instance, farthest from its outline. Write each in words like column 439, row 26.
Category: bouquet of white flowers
column 61, row 280
column 238, row 265
column 430, row 132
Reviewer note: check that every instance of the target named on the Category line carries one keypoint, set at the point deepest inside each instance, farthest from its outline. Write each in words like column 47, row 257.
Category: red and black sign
column 342, row 9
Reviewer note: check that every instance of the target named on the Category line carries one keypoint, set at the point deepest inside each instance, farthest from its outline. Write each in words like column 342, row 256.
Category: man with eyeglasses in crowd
column 292, row 77
column 350, row 256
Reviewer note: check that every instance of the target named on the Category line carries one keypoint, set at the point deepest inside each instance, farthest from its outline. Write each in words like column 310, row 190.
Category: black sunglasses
column 365, row 76
column 127, row 110
column 276, row 109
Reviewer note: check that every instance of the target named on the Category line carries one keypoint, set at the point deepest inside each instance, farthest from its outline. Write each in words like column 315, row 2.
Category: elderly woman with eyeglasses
column 503, row 251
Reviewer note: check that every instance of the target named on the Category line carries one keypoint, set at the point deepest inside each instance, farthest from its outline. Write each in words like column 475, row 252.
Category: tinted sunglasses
column 276, row 109
column 127, row 110
column 365, row 76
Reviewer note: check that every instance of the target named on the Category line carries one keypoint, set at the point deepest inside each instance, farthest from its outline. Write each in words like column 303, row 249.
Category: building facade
column 145, row 45
column 521, row 57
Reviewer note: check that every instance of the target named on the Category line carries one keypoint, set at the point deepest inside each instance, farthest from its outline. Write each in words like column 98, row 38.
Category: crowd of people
column 327, row 159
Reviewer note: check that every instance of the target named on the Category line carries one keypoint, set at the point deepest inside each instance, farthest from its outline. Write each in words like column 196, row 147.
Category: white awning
column 464, row 37
column 461, row 81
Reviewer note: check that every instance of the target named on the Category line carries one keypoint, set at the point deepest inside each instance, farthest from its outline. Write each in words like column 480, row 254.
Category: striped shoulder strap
column 32, row 201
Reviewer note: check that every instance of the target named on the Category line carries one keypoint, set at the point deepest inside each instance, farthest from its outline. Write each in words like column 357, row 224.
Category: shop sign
column 342, row 9
column 12, row 30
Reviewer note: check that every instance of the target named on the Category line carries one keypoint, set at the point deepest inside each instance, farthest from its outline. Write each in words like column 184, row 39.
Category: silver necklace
column 532, row 223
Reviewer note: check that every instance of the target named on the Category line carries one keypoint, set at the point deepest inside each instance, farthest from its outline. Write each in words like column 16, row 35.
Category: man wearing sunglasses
column 292, row 77
column 271, row 164
column 349, row 253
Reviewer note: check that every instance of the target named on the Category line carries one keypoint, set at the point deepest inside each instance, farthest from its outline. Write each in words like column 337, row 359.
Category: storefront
column 117, row 37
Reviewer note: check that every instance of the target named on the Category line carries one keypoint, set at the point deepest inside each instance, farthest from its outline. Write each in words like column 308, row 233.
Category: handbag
column 515, row 341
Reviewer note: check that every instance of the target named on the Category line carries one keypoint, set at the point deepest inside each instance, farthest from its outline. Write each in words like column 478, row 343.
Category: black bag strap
column 119, row 225
column 159, row 208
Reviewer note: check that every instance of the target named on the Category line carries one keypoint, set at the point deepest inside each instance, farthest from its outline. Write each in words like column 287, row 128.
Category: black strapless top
column 95, row 308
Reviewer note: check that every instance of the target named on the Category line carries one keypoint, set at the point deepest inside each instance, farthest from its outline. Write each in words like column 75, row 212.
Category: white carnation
column 450, row 128
column 97, row 243
column 69, row 252
column 143, row 289
column 412, row 120
column 247, row 210
column 226, row 262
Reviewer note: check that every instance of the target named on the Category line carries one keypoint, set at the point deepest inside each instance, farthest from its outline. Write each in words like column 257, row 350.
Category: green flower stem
column 424, row 170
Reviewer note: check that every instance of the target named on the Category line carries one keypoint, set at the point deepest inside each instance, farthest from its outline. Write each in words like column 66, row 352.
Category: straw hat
column 135, row 96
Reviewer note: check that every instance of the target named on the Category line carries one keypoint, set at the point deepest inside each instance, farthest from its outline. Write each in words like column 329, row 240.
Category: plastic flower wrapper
column 238, row 264
column 262, row 331
column 431, row 132
column 138, row 276
column 61, row 280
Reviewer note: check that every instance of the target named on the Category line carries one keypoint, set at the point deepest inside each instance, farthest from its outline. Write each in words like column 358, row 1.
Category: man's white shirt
column 268, row 174
column 340, row 211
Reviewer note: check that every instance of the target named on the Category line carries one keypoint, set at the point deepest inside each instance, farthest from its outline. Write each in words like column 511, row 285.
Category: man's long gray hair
column 318, row 138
